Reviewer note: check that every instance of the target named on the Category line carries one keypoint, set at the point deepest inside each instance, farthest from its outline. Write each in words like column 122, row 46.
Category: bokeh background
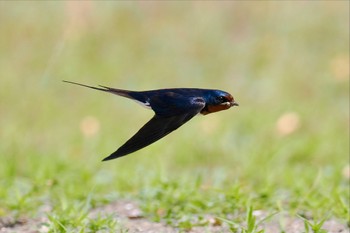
column 286, row 146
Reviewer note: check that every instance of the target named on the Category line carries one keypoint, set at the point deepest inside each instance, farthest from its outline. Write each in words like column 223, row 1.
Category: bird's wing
column 155, row 129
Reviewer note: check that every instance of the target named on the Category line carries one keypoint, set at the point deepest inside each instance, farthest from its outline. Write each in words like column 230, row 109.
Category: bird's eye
column 222, row 99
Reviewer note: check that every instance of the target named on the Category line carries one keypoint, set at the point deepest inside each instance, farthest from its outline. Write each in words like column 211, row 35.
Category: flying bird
column 173, row 107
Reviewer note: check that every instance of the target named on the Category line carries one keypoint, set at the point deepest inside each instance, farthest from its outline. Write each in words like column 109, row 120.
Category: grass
column 285, row 149
column 315, row 226
column 252, row 225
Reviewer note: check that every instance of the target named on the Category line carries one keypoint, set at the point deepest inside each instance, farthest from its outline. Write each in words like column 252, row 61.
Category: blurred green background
column 285, row 148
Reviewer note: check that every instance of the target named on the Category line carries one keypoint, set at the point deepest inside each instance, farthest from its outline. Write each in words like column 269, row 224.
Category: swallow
column 173, row 107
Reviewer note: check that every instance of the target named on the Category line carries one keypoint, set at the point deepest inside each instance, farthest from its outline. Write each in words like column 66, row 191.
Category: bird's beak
column 234, row 104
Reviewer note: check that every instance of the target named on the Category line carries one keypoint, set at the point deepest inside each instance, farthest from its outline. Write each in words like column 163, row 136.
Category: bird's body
column 173, row 107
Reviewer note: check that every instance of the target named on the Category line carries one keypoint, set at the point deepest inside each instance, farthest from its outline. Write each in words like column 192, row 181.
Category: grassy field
column 283, row 152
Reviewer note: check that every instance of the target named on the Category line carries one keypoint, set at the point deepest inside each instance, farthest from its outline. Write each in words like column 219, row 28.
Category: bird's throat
column 214, row 108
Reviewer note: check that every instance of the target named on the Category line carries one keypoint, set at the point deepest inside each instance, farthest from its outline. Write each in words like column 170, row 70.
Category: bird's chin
column 228, row 105
column 219, row 107
column 233, row 103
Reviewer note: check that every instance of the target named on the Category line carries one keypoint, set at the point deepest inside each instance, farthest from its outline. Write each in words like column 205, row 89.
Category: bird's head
column 217, row 101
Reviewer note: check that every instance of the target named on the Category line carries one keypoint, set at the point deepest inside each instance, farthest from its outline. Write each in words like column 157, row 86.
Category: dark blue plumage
column 173, row 107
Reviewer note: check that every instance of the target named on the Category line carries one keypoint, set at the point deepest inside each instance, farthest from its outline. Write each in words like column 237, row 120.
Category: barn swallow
column 173, row 107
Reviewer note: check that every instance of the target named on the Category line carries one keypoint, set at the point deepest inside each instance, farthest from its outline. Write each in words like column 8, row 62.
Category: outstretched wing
column 158, row 127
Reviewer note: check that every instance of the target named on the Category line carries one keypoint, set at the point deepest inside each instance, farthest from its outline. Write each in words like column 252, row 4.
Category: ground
column 131, row 219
